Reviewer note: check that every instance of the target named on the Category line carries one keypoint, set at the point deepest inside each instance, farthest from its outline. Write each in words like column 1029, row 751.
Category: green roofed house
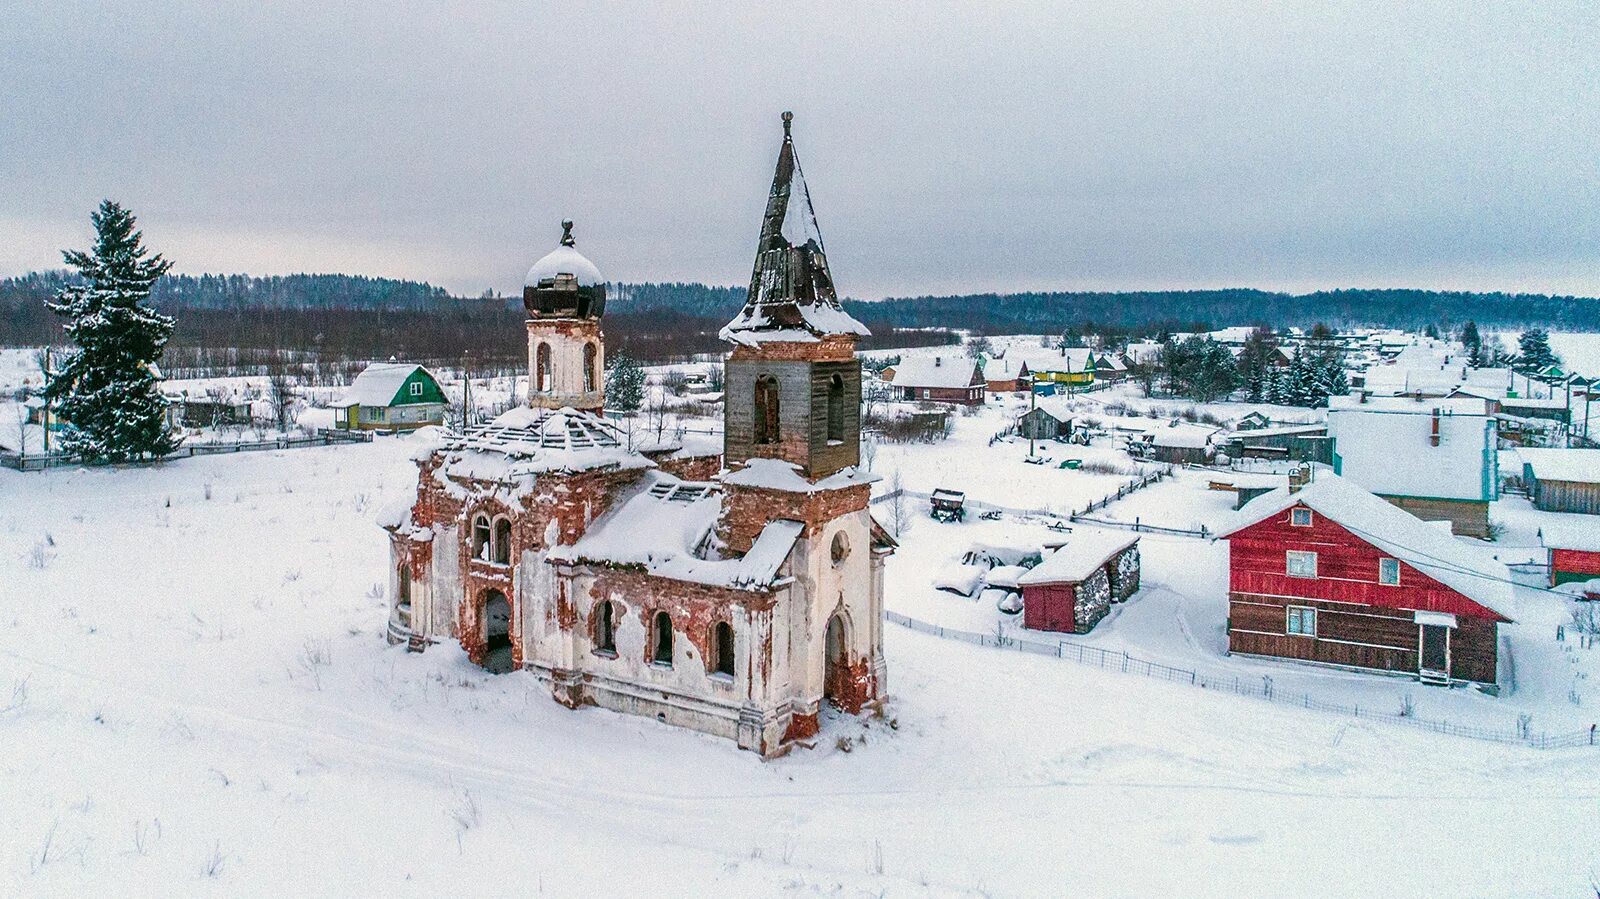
column 398, row 396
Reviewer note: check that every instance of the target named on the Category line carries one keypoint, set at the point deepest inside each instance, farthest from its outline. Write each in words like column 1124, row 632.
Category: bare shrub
column 211, row 867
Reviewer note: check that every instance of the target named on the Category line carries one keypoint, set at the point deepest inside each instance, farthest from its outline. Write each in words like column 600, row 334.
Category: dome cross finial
column 788, row 117
column 566, row 233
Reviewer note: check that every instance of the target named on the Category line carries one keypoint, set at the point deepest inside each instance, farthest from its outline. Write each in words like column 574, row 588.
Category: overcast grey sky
column 949, row 148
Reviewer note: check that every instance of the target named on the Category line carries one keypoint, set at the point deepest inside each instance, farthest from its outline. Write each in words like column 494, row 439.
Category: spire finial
column 787, row 118
column 566, row 233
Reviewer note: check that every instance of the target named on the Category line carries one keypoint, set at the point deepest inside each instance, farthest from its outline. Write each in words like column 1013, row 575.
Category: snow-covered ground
column 197, row 699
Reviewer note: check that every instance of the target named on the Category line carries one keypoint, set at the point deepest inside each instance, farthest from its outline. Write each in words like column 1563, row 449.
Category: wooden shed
column 1074, row 587
column 1295, row 443
column 1047, row 420
column 1573, row 551
column 1332, row 574
column 1562, row 480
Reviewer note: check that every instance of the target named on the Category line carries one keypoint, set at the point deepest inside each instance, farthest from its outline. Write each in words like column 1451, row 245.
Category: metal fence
column 40, row 462
column 1109, row 660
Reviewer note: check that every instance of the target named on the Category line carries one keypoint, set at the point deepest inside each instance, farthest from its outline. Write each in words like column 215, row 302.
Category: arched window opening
column 502, row 541
column 722, row 642
column 766, row 410
column 403, row 585
column 605, row 631
column 662, row 645
column 541, row 369
column 481, row 538
column 840, row 550
column 591, row 368
column 836, row 409
column 835, row 672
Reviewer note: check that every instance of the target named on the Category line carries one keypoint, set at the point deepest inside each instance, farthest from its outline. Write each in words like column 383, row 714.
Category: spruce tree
column 1533, row 351
column 106, row 393
column 625, row 384
column 1472, row 342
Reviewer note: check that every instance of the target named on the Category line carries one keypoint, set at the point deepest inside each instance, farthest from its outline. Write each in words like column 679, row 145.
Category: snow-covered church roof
column 791, row 297
column 668, row 526
column 564, row 260
column 524, row 442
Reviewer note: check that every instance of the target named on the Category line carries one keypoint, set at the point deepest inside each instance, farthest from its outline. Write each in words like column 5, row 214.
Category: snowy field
column 197, row 700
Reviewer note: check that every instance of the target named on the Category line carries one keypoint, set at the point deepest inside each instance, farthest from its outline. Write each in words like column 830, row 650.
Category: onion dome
column 564, row 284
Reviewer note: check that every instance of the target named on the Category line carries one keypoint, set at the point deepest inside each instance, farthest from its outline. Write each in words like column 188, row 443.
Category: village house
column 1435, row 458
column 1074, row 587
column 1327, row 572
column 1562, row 480
column 939, row 379
column 740, row 606
column 399, row 396
column 1002, row 375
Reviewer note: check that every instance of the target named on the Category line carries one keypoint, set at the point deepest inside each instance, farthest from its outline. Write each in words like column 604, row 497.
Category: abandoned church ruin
column 739, row 605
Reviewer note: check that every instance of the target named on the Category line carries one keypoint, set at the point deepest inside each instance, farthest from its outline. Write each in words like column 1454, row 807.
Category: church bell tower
column 565, row 296
column 793, row 383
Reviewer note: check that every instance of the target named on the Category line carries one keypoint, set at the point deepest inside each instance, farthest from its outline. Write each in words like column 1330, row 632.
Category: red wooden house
column 1330, row 573
column 1074, row 587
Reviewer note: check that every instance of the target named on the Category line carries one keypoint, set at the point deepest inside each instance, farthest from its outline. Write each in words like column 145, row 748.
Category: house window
column 481, row 538
column 591, row 368
column 722, row 641
column 416, row 388
column 1301, row 564
column 1389, row 572
column 1300, row 518
column 925, row 393
column 661, row 650
column 1302, row 622
column 502, row 541
column 605, row 630
column 836, row 409
column 766, row 410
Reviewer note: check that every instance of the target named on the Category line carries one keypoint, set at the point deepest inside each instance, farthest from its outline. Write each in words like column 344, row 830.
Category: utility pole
column 466, row 390
column 1033, row 403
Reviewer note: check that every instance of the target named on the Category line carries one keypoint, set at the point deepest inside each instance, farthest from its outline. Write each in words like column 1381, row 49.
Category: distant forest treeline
column 355, row 317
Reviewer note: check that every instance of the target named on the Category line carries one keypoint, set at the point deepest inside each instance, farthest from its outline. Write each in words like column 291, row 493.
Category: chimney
column 1299, row 478
column 1433, row 437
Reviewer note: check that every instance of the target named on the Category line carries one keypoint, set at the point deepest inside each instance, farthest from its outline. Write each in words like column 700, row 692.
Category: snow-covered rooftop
column 668, row 526
column 936, row 371
column 377, row 384
column 1083, row 552
column 1391, row 450
column 1471, row 572
column 1577, row 465
column 1580, row 532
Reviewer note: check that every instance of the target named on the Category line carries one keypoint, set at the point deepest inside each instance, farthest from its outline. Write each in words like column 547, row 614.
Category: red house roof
column 1446, row 574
